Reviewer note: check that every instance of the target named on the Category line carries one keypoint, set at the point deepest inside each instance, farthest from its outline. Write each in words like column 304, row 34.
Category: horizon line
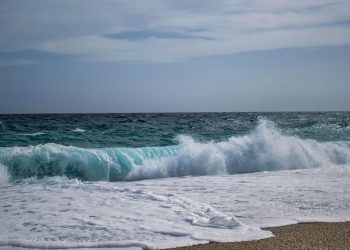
column 175, row 112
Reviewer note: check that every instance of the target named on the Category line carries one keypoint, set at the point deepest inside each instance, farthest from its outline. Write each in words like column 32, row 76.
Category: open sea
column 95, row 181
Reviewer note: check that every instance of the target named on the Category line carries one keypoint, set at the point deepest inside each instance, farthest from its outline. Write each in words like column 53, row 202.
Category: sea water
column 166, row 180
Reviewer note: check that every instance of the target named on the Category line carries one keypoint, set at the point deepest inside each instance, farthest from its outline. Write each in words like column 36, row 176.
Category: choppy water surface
column 79, row 180
column 143, row 130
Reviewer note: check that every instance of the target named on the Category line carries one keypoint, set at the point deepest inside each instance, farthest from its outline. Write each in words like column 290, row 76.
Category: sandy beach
column 299, row 236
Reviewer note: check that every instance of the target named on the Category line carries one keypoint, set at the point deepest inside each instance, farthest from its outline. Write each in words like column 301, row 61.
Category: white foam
column 62, row 213
column 79, row 130
column 70, row 245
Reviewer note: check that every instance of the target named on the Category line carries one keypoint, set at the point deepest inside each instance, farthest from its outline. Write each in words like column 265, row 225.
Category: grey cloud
column 188, row 28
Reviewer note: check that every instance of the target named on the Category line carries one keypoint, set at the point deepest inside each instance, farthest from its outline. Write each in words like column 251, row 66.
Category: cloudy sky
column 174, row 55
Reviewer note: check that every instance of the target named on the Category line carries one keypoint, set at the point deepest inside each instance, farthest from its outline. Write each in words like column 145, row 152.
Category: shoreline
column 315, row 235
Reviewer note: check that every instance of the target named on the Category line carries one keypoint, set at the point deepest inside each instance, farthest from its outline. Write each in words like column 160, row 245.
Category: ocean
column 164, row 180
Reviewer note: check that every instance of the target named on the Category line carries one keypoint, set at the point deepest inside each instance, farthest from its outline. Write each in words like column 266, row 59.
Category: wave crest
column 266, row 148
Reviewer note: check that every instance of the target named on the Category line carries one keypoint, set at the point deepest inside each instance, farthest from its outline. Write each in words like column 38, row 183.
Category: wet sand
column 299, row 236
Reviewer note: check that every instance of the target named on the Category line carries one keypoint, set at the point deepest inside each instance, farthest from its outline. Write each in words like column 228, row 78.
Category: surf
column 265, row 148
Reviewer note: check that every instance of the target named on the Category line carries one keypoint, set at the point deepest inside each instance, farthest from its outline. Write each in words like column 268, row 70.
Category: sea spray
column 264, row 149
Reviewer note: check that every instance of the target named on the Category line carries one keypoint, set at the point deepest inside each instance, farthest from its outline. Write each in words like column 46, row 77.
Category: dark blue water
column 142, row 130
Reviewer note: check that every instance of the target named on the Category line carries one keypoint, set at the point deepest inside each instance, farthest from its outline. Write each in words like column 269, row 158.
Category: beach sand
column 299, row 236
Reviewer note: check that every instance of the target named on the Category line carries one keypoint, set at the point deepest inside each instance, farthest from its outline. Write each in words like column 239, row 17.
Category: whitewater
column 56, row 196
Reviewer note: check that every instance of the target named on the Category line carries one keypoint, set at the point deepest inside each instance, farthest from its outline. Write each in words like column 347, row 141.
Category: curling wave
column 266, row 148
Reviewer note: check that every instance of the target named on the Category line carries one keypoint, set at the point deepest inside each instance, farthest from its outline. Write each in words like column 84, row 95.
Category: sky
column 65, row 56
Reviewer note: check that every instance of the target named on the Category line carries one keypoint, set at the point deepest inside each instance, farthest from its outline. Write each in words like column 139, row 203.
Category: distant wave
column 266, row 148
column 79, row 130
column 35, row 134
column 330, row 127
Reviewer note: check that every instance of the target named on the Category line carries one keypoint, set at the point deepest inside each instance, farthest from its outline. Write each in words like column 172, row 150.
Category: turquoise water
column 119, row 147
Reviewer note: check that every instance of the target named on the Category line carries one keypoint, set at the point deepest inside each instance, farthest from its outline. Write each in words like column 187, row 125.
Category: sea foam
column 78, row 130
column 62, row 213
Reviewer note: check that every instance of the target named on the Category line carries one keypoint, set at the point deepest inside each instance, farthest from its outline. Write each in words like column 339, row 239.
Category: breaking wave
column 78, row 130
column 266, row 148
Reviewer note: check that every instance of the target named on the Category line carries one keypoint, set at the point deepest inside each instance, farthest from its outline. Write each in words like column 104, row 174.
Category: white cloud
column 79, row 27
